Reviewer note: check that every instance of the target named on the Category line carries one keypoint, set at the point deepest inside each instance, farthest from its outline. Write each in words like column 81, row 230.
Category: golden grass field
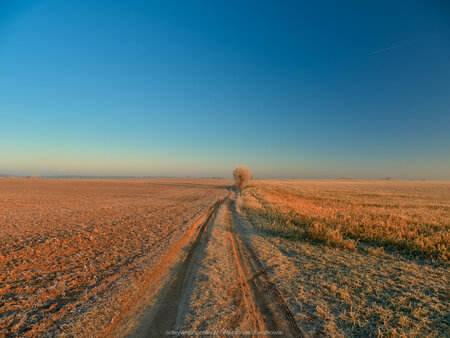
column 365, row 257
column 71, row 251
column 409, row 217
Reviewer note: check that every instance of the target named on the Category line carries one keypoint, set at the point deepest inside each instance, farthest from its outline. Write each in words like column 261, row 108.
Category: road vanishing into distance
column 217, row 286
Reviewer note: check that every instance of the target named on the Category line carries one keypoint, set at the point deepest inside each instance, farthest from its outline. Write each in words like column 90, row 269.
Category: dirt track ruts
column 266, row 305
column 259, row 305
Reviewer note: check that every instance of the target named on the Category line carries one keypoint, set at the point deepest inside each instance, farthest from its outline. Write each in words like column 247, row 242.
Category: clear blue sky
column 309, row 89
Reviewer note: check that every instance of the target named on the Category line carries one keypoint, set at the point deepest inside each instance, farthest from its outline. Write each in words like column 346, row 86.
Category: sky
column 291, row 89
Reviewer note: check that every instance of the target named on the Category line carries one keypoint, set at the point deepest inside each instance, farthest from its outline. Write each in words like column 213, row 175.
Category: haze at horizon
column 292, row 89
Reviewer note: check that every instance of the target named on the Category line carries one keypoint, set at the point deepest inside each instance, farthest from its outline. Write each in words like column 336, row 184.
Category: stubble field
column 72, row 251
column 357, row 257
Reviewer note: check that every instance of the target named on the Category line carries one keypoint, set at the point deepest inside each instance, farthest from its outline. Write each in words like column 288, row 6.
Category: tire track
column 169, row 314
column 259, row 316
column 166, row 313
column 257, row 305
column 273, row 313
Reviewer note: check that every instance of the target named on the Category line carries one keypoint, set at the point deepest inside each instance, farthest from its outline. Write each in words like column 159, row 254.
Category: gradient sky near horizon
column 306, row 89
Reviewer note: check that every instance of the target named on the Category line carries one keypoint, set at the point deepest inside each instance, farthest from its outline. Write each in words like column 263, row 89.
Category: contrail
column 389, row 48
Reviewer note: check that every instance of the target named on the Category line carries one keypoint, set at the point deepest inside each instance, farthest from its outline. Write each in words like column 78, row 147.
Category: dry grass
column 409, row 217
column 71, row 250
column 357, row 258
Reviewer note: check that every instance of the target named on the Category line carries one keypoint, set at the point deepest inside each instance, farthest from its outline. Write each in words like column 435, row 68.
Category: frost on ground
column 211, row 304
column 300, row 257
column 301, row 229
column 72, row 250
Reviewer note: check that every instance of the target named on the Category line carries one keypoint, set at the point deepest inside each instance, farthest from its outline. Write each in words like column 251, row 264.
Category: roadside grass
column 412, row 218
column 357, row 258
column 338, row 292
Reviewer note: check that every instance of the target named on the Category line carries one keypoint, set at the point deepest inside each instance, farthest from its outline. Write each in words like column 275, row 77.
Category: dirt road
column 218, row 287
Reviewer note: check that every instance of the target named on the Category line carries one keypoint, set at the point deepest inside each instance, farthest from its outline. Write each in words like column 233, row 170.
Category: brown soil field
column 72, row 252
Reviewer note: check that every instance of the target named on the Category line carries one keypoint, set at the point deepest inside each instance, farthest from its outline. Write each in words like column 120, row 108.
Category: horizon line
column 124, row 177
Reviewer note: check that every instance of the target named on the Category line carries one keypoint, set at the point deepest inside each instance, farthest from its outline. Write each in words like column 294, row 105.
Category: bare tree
column 241, row 176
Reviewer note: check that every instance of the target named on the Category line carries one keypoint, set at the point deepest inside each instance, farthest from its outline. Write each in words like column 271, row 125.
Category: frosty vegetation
column 241, row 176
